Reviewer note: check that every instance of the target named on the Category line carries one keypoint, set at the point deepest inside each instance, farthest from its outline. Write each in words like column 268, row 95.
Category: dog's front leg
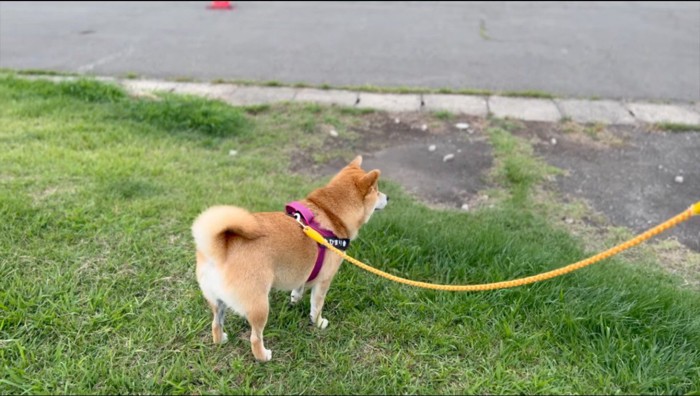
column 318, row 296
column 297, row 294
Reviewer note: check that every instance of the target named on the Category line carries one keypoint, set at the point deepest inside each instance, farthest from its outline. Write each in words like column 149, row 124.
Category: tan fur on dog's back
column 211, row 227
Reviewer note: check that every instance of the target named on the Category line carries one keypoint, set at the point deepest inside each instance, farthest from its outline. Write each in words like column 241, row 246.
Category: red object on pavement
column 220, row 5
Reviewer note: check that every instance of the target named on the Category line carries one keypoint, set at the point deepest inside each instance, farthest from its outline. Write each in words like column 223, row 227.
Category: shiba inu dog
column 241, row 256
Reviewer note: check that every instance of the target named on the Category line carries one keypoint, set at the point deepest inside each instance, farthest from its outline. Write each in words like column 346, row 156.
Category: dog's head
column 352, row 195
column 367, row 186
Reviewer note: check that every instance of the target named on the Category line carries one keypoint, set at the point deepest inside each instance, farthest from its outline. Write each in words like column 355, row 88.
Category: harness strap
column 295, row 209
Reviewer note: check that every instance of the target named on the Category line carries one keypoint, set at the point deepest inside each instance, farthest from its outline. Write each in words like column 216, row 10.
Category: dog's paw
column 266, row 357
column 222, row 340
column 296, row 296
column 321, row 323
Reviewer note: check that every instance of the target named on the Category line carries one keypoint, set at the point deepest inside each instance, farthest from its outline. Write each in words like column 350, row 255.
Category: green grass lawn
column 98, row 294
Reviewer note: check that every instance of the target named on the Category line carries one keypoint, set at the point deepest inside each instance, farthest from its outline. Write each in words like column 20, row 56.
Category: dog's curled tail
column 215, row 226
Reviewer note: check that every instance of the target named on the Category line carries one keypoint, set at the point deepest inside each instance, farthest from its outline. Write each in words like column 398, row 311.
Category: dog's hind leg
column 257, row 317
column 217, row 324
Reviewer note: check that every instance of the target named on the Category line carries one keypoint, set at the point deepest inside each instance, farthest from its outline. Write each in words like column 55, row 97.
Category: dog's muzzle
column 381, row 202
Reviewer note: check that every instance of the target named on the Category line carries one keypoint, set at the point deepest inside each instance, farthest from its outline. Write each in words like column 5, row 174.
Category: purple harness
column 301, row 212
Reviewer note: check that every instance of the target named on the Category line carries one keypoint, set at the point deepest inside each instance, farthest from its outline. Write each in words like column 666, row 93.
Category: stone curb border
column 608, row 112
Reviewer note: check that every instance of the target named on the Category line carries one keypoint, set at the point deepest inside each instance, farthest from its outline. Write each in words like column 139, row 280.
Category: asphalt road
column 625, row 50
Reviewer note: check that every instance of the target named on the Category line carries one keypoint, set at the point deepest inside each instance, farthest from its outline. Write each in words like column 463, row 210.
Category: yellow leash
column 687, row 214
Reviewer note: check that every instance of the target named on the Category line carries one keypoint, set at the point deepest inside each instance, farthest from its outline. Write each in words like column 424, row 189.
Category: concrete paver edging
column 528, row 109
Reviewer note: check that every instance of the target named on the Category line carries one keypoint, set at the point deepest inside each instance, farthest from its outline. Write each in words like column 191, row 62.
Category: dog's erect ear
column 356, row 162
column 369, row 179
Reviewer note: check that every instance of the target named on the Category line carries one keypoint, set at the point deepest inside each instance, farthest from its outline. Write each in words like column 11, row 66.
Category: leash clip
column 297, row 218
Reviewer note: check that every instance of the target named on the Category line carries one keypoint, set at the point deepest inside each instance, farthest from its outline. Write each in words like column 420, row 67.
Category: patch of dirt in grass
column 636, row 176
column 431, row 158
